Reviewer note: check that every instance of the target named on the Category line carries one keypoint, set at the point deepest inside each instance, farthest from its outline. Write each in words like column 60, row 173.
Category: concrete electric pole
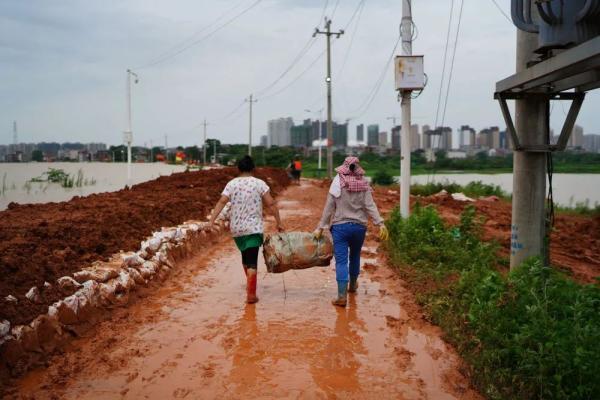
column 128, row 135
column 15, row 134
column 405, row 146
column 328, row 34
column 529, row 168
column 250, row 100
column 204, row 143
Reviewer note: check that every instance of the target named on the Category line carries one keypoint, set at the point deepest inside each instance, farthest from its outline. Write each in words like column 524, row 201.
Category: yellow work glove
column 384, row 235
column 318, row 233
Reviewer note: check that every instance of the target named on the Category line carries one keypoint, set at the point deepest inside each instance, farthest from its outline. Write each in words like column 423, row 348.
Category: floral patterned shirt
column 245, row 195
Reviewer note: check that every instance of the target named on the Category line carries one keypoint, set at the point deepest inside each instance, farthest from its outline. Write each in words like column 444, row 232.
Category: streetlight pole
column 250, row 100
column 128, row 134
column 328, row 34
column 204, row 144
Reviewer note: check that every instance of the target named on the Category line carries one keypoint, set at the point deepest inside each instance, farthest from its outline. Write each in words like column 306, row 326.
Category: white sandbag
column 148, row 269
column 11, row 299
column 461, row 197
column 132, row 259
column 4, row 328
column 34, row 295
column 137, row 277
column 68, row 284
column 126, row 281
column 65, row 310
column 91, row 291
column 151, row 245
column 96, row 273
column 27, row 337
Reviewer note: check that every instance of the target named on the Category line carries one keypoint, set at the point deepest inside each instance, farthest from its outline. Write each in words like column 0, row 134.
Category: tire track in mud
column 196, row 338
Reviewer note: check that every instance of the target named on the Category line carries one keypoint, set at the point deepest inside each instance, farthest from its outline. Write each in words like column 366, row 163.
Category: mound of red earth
column 42, row 242
column 575, row 239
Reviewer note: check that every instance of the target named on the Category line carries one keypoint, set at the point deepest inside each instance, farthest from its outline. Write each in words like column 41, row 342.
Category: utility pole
column 128, row 135
column 151, row 152
column 328, row 34
column 406, row 31
column 529, row 168
column 15, row 134
column 204, row 143
column 250, row 100
column 215, row 150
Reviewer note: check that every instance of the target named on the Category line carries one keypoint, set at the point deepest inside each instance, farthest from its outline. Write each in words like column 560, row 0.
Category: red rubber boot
column 251, row 286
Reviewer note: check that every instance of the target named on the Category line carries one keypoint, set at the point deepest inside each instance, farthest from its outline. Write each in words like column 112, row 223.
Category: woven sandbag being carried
column 296, row 250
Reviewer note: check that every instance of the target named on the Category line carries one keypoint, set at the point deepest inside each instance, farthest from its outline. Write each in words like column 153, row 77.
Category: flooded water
column 568, row 188
column 106, row 177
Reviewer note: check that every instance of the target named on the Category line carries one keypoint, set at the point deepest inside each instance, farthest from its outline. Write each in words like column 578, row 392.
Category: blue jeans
column 347, row 237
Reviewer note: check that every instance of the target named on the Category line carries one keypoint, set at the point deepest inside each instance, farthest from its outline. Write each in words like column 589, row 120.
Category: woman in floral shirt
column 246, row 195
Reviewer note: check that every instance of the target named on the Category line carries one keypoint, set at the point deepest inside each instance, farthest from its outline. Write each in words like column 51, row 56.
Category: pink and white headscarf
column 352, row 181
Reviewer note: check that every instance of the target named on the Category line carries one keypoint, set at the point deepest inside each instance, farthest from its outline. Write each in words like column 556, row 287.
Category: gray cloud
column 64, row 66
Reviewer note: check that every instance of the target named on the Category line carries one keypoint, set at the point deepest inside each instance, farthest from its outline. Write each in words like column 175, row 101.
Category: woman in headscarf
column 348, row 207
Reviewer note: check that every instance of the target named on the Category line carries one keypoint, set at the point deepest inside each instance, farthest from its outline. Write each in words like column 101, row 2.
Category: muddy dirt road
column 196, row 338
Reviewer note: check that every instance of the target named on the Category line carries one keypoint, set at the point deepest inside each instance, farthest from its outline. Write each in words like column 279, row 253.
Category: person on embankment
column 247, row 195
column 347, row 209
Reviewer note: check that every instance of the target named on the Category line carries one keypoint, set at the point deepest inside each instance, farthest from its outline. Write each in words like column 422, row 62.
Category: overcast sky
column 63, row 66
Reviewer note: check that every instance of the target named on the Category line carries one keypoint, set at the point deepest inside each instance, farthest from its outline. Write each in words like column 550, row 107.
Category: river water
column 107, row 177
column 568, row 189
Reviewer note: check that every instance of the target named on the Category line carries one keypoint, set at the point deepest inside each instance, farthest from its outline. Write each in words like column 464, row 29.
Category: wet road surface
column 196, row 338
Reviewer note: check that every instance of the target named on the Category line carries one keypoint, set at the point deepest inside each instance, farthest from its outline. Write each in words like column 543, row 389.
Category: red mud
column 42, row 242
column 575, row 240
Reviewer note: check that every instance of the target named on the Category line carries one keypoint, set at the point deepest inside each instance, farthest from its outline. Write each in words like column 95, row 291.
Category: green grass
column 472, row 189
column 528, row 334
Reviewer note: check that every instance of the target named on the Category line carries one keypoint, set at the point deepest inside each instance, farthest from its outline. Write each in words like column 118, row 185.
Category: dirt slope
column 42, row 242
column 575, row 240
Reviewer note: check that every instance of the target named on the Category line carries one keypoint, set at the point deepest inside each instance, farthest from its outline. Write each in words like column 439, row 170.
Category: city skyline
column 65, row 68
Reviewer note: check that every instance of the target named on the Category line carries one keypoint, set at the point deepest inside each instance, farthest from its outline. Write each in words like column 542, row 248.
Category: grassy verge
column 472, row 189
column 531, row 333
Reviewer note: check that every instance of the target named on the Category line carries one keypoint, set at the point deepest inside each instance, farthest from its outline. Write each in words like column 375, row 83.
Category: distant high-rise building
column 467, row 137
column 428, row 136
column 489, row 138
column 576, row 138
column 340, row 135
column 591, row 143
column 280, row 132
column 396, row 132
column 445, row 138
column 373, row 135
column 264, row 140
column 301, row 135
column 383, row 139
column 415, row 138
column 360, row 133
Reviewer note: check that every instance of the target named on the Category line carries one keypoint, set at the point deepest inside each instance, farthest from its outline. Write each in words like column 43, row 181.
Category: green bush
column 473, row 189
column 532, row 333
column 382, row 178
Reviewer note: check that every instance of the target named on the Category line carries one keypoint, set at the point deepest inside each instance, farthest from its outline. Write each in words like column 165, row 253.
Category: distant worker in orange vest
column 297, row 169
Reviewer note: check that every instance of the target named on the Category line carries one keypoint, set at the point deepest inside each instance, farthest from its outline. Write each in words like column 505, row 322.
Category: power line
column 502, row 11
column 196, row 33
column 437, row 112
column 337, row 3
column 369, row 100
column 312, row 64
column 203, row 38
column 462, row 3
